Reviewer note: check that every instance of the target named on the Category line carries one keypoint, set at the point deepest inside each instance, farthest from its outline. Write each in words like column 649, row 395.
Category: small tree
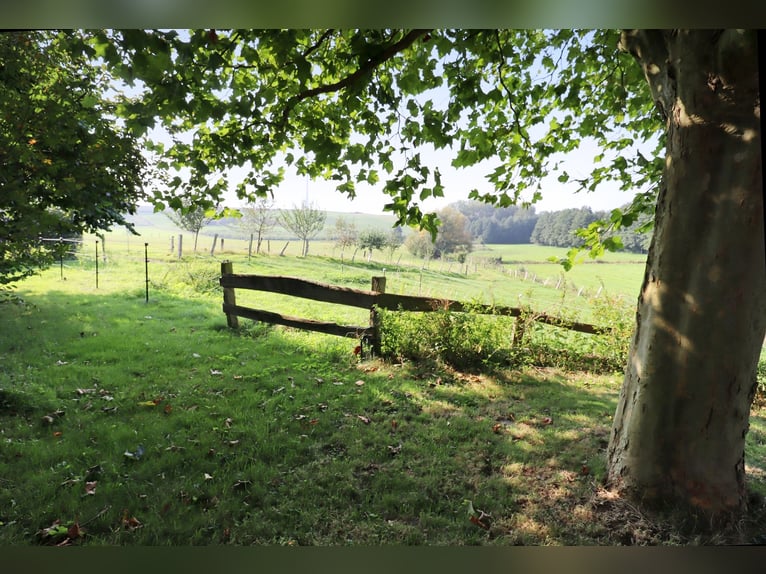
column 371, row 240
column 453, row 235
column 420, row 244
column 394, row 240
column 345, row 234
column 305, row 222
column 258, row 218
column 190, row 218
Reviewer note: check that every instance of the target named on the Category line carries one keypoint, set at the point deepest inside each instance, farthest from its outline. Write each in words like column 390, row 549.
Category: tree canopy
column 66, row 166
column 364, row 105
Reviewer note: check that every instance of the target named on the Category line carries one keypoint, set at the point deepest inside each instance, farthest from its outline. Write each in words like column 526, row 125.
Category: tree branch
column 369, row 65
column 319, row 42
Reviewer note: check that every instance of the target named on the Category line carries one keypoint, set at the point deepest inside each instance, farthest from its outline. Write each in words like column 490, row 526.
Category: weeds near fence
column 472, row 341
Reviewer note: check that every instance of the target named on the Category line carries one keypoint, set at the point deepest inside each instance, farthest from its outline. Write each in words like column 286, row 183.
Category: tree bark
column 678, row 435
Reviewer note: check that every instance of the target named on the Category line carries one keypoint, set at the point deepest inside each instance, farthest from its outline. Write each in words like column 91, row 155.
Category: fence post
column 96, row 263
column 215, row 240
column 229, row 298
column 378, row 285
column 180, row 245
column 146, row 269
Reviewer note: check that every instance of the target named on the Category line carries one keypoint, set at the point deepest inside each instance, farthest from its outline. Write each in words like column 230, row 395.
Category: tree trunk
column 678, row 435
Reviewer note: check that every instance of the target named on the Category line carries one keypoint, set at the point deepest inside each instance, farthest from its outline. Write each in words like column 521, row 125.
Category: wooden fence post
column 378, row 285
column 229, row 298
column 215, row 240
column 180, row 245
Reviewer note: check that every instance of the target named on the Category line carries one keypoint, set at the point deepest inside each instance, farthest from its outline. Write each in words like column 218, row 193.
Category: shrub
column 466, row 340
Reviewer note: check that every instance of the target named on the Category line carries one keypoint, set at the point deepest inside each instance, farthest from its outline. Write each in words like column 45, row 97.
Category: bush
column 466, row 340
column 461, row 340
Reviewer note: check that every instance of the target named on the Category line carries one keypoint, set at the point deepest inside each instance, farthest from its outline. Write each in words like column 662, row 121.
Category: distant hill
column 228, row 227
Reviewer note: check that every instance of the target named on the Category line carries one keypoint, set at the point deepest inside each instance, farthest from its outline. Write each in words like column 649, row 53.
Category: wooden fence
column 376, row 298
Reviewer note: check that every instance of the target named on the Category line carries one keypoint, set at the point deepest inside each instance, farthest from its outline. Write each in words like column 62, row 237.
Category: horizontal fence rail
column 373, row 299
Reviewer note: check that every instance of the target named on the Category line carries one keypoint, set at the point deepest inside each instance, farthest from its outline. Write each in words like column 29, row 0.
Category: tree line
column 516, row 225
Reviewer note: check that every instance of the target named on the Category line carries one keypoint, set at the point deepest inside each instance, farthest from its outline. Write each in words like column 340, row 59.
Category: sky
column 457, row 183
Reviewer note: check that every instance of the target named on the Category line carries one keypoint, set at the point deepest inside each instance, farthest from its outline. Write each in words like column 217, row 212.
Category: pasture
column 134, row 422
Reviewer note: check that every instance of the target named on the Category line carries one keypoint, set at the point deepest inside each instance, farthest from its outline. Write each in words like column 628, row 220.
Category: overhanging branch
column 371, row 64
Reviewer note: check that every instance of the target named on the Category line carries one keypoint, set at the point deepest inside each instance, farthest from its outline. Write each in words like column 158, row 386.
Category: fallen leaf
column 59, row 363
column 196, row 355
column 319, row 380
column 208, row 477
column 547, row 421
column 227, row 423
column 57, row 433
column 84, row 391
column 237, row 377
column 394, row 450
column 478, row 522
column 130, row 522
column 585, row 470
column 90, row 487
column 233, row 442
column 147, row 404
column 359, row 383
column 394, row 425
column 74, row 531
column 168, row 409
column 364, row 419
column 497, row 428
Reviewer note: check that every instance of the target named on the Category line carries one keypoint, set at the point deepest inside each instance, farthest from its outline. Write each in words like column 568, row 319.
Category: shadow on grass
column 272, row 436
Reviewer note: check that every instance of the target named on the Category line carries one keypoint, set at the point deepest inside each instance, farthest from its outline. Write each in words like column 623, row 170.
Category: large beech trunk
column 679, row 431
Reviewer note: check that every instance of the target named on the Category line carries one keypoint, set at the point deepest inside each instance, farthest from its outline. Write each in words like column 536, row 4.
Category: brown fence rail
column 374, row 299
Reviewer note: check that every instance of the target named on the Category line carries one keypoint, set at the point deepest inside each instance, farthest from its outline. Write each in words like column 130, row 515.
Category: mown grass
column 132, row 423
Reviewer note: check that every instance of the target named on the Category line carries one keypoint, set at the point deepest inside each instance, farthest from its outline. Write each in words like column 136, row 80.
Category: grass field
column 127, row 422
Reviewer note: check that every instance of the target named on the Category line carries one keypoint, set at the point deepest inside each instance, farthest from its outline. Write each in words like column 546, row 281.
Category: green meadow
column 134, row 422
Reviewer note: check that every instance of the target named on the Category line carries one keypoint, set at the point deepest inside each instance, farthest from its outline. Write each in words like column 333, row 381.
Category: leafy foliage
column 359, row 106
column 491, row 224
column 66, row 165
column 258, row 218
column 473, row 341
column 371, row 240
column 305, row 222
column 191, row 218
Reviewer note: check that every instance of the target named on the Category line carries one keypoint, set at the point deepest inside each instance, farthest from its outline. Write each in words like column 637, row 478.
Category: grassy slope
column 272, row 436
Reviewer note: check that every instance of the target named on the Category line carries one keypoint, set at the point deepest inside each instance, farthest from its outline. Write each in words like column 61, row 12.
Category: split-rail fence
column 374, row 299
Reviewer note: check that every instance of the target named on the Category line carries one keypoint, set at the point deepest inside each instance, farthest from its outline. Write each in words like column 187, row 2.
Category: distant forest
column 514, row 225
